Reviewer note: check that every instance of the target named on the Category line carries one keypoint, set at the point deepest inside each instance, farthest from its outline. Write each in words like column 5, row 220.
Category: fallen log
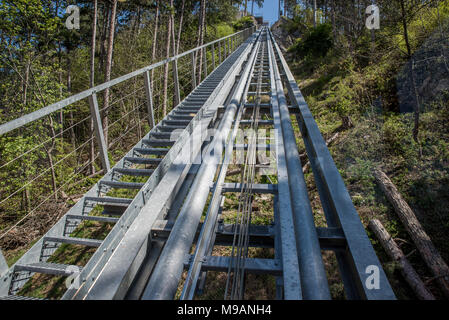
column 423, row 243
column 395, row 253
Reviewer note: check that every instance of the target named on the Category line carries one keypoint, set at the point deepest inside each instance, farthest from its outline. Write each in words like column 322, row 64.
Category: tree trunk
column 166, row 66
column 104, row 32
column 395, row 253
column 423, row 243
column 334, row 26
column 108, row 69
column 153, row 54
column 412, row 73
column 201, row 31
column 180, row 27
column 92, row 84
column 314, row 13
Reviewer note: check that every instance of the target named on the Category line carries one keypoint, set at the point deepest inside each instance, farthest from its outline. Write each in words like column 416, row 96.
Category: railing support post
column 149, row 94
column 219, row 51
column 225, row 49
column 177, row 95
column 213, row 56
column 205, row 63
column 192, row 57
column 94, row 111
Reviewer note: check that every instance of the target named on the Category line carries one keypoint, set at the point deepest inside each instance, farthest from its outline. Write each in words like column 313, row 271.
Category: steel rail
column 165, row 278
column 237, row 262
column 206, row 234
column 311, row 267
column 291, row 279
column 336, row 201
column 124, row 262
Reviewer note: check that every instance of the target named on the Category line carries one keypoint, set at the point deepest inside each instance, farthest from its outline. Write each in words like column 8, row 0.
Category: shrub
column 316, row 42
column 244, row 23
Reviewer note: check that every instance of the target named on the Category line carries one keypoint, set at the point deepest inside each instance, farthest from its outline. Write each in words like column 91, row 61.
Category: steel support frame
column 123, row 262
column 34, row 254
column 311, row 266
column 206, row 236
column 164, row 281
column 359, row 255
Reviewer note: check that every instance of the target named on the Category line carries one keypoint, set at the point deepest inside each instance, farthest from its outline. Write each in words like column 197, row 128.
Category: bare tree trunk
column 314, row 13
column 395, row 253
column 108, row 69
column 246, row 8
column 412, row 72
column 166, row 66
column 180, row 27
column 423, row 243
column 103, row 33
column 201, row 23
column 92, row 84
column 153, row 54
column 334, row 26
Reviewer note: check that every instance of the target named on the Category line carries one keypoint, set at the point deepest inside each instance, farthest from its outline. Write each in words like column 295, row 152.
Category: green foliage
column 243, row 23
column 315, row 43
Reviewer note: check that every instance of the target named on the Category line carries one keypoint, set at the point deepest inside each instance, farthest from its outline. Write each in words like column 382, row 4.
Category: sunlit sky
column 269, row 10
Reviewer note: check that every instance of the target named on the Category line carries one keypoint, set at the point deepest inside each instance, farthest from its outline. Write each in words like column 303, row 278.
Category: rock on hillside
column 283, row 38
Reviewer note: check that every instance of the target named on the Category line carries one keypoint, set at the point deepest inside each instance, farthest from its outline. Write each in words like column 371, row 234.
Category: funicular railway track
column 164, row 238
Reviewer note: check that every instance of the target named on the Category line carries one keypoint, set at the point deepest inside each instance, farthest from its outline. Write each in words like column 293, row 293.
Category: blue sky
column 269, row 10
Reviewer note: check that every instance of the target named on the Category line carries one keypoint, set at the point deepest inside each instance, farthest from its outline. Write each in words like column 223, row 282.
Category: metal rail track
column 180, row 206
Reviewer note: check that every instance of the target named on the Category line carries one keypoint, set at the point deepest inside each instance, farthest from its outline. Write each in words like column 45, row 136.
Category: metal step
column 137, row 160
column 176, row 122
column 91, row 218
column 23, row 298
column 185, row 112
column 166, row 135
column 111, row 206
column 135, row 172
column 55, row 269
column 179, row 117
column 122, row 185
column 72, row 240
column 109, row 200
column 158, row 142
column 152, row 151
column 168, row 128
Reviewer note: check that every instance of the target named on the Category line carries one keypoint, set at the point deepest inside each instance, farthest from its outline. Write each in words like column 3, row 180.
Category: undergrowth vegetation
column 360, row 89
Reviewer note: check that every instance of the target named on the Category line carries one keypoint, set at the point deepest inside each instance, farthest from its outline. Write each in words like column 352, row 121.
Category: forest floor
column 383, row 138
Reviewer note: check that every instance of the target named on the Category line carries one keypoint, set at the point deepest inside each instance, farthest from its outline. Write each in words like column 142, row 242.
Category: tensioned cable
column 241, row 231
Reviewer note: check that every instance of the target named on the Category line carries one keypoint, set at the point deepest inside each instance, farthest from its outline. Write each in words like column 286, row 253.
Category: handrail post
column 149, row 94
column 213, row 56
column 225, row 49
column 205, row 63
column 177, row 95
column 192, row 57
column 93, row 102
column 219, row 51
